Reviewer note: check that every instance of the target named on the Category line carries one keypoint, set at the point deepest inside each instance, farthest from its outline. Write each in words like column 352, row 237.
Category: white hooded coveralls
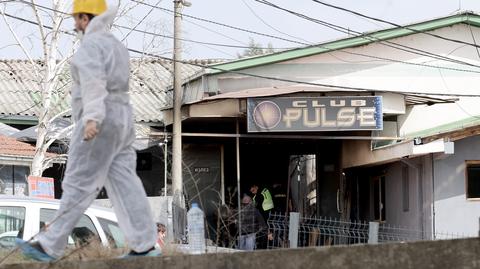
column 100, row 71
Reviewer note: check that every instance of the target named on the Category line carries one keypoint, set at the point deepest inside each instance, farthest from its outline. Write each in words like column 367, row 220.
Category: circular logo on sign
column 267, row 115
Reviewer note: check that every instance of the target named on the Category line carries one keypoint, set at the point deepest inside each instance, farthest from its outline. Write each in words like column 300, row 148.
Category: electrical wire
column 295, row 81
column 396, row 24
column 147, row 32
column 344, row 30
column 269, row 25
column 332, row 86
column 216, row 44
column 368, row 36
column 332, row 26
column 224, row 25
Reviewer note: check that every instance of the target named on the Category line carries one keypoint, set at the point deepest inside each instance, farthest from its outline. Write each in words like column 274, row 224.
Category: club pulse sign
column 295, row 114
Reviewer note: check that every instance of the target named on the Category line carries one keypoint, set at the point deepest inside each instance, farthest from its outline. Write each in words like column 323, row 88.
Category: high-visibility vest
column 267, row 200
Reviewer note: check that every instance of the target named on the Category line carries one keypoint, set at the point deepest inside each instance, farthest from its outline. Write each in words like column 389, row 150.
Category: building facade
column 407, row 169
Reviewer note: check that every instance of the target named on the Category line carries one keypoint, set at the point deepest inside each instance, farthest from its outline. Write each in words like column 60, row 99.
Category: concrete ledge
column 458, row 254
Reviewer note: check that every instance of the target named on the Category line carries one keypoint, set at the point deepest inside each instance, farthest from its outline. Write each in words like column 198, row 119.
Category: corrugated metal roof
column 20, row 91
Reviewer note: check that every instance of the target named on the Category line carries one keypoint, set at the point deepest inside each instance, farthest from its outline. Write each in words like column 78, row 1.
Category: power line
column 344, row 30
column 190, row 40
column 360, row 89
column 224, row 25
column 216, row 44
column 268, row 24
column 136, row 30
column 395, row 24
column 146, row 32
column 286, row 80
column 368, row 36
column 140, row 21
column 347, row 52
column 326, row 24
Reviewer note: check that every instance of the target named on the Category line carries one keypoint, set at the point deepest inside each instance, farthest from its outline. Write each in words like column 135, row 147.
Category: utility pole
column 177, row 178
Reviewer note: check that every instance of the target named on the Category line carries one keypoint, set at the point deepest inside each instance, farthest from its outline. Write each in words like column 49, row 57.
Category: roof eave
column 382, row 35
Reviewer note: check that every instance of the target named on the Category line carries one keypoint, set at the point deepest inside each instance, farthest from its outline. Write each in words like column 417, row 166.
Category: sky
column 247, row 14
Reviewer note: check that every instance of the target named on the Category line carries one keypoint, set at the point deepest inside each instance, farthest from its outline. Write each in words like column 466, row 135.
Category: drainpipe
column 433, row 197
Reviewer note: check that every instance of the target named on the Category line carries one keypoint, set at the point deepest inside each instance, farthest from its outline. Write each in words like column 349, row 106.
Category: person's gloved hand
column 90, row 130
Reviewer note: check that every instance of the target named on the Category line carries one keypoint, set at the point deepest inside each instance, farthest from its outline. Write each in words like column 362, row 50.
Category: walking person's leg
column 87, row 168
column 125, row 190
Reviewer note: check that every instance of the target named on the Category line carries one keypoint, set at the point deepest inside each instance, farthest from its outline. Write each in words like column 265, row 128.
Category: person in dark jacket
column 252, row 224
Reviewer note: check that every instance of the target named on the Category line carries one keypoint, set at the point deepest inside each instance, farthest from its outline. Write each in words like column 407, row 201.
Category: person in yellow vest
column 263, row 201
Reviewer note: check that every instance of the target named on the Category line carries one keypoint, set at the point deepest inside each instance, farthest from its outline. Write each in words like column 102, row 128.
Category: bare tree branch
column 42, row 30
column 20, row 44
column 59, row 135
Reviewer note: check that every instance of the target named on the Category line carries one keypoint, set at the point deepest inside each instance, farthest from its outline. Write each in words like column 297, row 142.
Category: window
column 13, row 180
column 114, row 234
column 405, row 188
column 83, row 232
column 473, row 180
column 12, row 221
column 379, row 198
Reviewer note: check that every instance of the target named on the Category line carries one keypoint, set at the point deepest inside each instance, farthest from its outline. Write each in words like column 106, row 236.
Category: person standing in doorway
column 101, row 152
column 253, row 224
column 263, row 201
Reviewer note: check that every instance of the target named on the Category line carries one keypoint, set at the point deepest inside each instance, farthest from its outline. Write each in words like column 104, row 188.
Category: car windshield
column 112, row 231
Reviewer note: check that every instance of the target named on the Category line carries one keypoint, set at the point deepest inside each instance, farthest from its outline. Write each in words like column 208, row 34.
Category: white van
column 23, row 218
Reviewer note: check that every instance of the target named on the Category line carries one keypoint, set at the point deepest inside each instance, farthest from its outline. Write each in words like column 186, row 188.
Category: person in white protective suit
column 101, row 152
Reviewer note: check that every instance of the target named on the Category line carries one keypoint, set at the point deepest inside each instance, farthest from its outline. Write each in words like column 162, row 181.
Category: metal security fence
column 316, row 232
column 387, row 233
column 291, row 231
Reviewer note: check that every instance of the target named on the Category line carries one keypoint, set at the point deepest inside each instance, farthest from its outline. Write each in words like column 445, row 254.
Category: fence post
column 373, row 232
column 293, row 229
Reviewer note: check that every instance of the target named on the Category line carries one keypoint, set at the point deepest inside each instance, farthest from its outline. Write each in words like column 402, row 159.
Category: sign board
column 314, row 114
column 41, row 187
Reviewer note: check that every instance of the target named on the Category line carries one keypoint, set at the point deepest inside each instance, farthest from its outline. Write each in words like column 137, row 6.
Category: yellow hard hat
column 94, row 7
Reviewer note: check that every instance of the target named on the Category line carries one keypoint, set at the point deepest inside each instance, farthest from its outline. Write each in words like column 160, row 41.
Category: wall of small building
column 150, row 169
column 202, row 176
column 453, row 212
column 347, row 67
column 399, row 212
column 416, row 214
